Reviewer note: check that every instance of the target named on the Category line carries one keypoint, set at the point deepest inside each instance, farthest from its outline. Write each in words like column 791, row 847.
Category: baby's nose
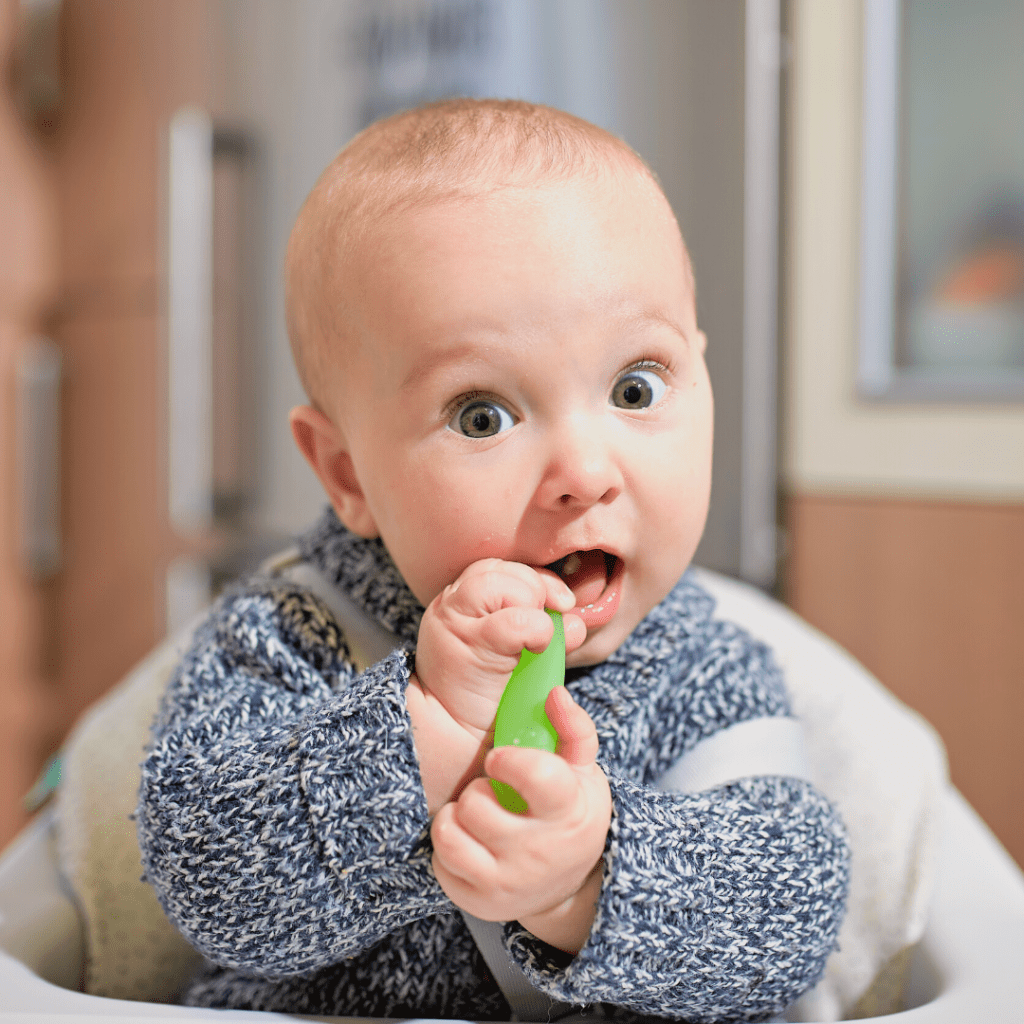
column 583, row 470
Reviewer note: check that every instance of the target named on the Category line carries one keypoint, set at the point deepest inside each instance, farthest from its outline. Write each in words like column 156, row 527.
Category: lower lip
column 604, row 608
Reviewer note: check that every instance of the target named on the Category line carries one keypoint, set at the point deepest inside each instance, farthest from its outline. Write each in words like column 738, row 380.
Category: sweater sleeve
column 281, row 815
column 722, row 905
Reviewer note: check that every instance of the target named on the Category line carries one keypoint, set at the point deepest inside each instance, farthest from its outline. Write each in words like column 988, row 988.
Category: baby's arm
column 718, row 905
column 280, row 796
column 541, row 868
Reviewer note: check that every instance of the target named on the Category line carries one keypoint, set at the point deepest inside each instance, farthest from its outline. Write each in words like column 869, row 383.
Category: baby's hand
column 542, row 868
column 473, row 632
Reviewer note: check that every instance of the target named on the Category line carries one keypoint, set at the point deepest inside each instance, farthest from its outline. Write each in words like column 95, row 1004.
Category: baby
column 492, row 312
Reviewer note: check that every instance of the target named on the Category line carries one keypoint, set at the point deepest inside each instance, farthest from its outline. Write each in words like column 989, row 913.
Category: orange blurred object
column 988, row 275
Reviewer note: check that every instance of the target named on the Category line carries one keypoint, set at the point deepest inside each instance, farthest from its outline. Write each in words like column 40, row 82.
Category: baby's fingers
column 460, row 853
column 546, row 588
column 509, row 630
column 575, row 631
column 543, row 780
column 557, row 594
column 480, row 815
column 483, row 591
column 577, row 734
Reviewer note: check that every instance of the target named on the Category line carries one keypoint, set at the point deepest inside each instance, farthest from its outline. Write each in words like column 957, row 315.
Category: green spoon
column 521, row 721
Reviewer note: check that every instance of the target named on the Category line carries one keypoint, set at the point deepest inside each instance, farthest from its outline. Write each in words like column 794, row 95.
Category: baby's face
column 529, row 384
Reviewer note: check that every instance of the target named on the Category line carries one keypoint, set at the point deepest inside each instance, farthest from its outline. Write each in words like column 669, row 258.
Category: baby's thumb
column 577, row 736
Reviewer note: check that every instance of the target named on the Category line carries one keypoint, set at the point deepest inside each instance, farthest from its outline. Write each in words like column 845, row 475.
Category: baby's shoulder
column 684, row 674
column 263, row 614
column 263, row 631
column 697, row 656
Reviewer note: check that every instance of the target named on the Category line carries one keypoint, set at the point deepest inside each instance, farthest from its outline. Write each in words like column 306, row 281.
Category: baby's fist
column 473, row 632
column 543, row 868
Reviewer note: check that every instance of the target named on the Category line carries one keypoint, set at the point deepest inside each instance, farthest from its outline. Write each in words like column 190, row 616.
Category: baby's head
column 492, row 311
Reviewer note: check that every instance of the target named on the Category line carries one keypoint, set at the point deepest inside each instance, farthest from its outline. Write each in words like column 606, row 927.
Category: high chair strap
column 759, row 746
column 368, row 641
column 527, row 1002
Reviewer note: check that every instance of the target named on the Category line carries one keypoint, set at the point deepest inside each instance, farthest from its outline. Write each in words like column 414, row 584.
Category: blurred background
column 849, row 175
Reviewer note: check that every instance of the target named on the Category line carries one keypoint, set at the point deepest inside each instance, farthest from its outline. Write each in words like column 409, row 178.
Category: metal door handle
column 190, row 321
column 195, row 142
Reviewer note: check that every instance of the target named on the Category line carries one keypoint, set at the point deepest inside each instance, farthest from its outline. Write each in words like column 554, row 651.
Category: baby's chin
column 603, row 641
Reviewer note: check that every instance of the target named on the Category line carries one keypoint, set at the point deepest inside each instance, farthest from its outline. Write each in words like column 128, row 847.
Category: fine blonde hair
column 453, row 150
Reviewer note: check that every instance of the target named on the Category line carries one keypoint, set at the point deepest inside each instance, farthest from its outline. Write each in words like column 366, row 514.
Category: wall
column 905, row 521
column 81, row 217
column 28, row 287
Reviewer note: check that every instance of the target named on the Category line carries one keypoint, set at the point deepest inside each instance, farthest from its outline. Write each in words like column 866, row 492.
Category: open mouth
column 594, row 577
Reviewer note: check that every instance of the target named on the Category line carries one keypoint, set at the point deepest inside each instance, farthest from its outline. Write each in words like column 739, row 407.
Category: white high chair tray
column 967, row 967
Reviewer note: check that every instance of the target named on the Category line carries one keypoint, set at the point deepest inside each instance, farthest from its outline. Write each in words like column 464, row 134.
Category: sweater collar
column 363, row 569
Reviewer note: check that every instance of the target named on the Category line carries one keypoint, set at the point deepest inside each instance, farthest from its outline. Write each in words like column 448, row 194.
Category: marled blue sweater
column 283, row 823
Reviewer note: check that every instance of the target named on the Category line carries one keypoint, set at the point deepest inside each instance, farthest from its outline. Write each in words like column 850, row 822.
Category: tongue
column 588, row 582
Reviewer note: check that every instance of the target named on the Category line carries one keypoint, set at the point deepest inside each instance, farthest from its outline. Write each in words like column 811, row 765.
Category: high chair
column 934, row 932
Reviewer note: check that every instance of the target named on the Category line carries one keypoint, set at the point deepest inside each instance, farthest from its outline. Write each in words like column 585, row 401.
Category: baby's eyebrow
column 626, row 312
column 645, row 316
column 435, row 360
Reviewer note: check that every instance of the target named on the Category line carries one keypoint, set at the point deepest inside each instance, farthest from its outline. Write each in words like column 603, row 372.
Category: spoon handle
column 521, row 720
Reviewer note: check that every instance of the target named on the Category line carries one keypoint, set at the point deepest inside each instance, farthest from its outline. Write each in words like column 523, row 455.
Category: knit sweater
column 283, row 824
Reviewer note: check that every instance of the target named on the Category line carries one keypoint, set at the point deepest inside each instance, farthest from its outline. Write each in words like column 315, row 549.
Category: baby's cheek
column 458, row 537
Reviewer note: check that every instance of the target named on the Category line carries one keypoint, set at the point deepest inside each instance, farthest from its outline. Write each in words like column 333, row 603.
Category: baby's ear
column 324, row 448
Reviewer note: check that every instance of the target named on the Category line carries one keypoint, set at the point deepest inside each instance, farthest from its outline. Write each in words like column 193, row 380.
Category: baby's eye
column 637, row 389
column 481, row 419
